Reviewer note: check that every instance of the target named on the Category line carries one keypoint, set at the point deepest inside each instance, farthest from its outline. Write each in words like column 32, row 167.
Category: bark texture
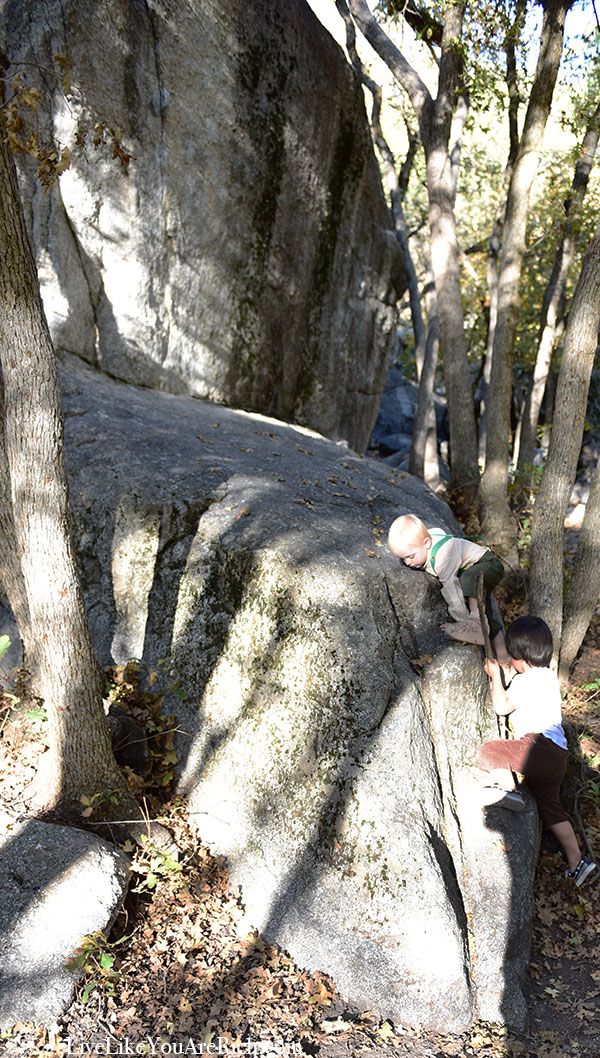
column 37, row 562
column 553, row 307
column 499, row 526
column 424, row 460
column 495, row 242
column 581, row 341
column 582, row 593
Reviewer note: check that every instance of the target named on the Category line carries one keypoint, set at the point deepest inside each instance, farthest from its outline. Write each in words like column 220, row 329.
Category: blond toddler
column 456, row 563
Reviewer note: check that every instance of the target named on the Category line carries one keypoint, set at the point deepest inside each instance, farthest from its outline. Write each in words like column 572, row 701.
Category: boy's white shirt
column 453, row 555
column 535, row 695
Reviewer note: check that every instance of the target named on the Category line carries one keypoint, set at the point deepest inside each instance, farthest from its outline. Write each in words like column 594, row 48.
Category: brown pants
column 541, row 762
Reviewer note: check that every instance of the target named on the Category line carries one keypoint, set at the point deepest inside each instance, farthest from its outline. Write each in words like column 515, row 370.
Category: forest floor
column 184, row 968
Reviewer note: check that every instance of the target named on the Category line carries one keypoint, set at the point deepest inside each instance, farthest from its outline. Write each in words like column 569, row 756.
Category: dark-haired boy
column 538, row 751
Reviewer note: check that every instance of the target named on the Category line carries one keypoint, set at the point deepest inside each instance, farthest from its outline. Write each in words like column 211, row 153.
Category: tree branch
column 416, row 89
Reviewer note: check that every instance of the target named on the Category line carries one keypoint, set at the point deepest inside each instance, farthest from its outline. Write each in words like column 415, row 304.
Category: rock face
column 244, row 255
column 329, row 730
column 57, row 885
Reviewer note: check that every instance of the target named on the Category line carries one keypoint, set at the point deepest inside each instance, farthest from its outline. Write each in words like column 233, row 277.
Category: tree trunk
column 497, row 522
column 510, row 42
column 550, row 396
column 39, row 571
column 581, row 342
column 424, row 459
column 393, row 184
column 11, row 574
column 435, row 122
column 584, row 587
column 434, row 118
column 492, row 285
column 554, row 298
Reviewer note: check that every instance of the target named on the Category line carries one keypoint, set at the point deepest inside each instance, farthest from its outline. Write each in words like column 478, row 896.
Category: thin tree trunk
column 581, row 597
column 422, row 449
column 425, row 462
column 492, row 285
column 496, row 519
column 550, row 397
column 393, row 185
column 424, row 459
column 495, row 242
column 554, row 298
column 581, row 342
column 434, row 118
column 45, row 596
column 518, row 432
column 445, row 258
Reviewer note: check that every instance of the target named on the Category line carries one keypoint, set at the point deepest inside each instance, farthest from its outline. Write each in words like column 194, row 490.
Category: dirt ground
column 184, row 980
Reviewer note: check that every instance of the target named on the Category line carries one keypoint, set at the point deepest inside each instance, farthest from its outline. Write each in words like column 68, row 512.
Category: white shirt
column 535, row 695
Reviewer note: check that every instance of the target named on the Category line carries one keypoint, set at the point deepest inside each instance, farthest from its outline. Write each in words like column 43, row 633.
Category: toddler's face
column 413, row 552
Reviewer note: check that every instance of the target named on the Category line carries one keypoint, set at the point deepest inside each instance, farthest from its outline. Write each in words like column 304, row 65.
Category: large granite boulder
column 329, row 730
column 244, row 255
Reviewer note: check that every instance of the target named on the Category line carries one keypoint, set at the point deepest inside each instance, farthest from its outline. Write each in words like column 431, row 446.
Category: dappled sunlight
column 270, row 666
column 134, row 552
column 239, row 246
column 202, row 559
column 56, row 303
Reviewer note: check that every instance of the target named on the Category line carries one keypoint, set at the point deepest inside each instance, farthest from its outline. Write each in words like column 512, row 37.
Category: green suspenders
column 435, row 549
column 443, row 540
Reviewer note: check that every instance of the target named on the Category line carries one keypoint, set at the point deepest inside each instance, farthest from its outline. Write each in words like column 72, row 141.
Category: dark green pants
column 493, row 572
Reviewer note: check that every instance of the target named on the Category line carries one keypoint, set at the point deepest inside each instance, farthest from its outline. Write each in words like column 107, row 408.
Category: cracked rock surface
column 328, row 731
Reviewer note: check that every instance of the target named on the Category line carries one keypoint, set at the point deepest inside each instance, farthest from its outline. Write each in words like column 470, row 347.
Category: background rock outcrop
column 393, row 430
column 328, row 730
column 244, row 254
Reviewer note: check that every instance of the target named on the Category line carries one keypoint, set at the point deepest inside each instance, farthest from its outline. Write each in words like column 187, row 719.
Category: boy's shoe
column 583, row 868
column 500, row 798
column 467, row 631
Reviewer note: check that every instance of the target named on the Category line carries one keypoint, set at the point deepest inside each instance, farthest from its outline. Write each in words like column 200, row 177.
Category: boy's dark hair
column 529, row 639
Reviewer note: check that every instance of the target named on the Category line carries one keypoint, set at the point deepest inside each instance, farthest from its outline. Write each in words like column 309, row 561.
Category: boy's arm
column 447, row 565
column 454, row 596
column 500, row 700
